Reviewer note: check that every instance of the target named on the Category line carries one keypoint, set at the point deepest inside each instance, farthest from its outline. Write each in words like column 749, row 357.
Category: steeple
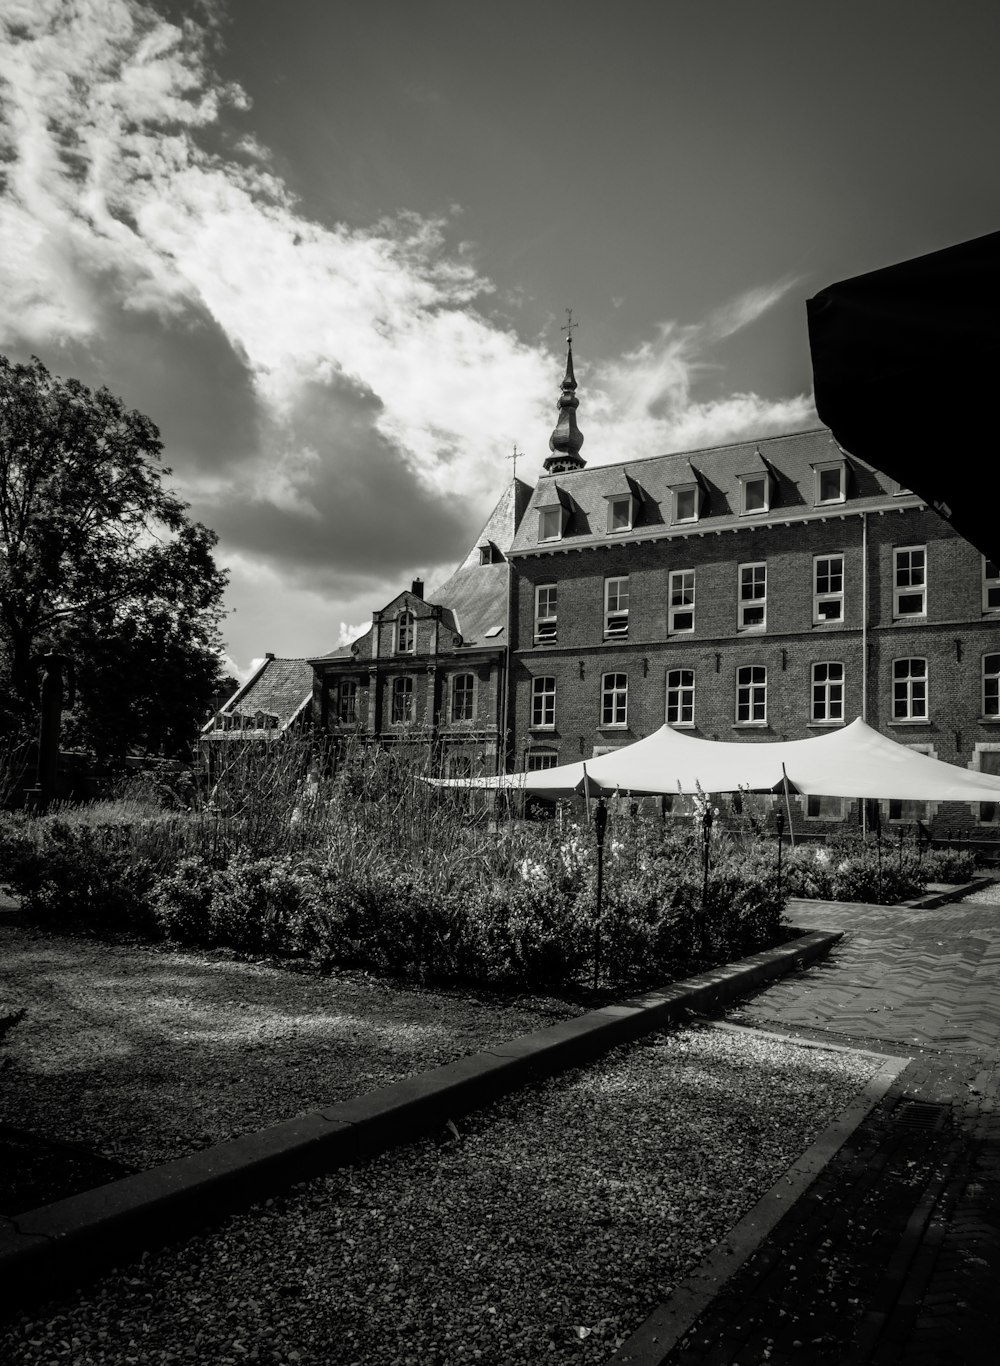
column 566, row 438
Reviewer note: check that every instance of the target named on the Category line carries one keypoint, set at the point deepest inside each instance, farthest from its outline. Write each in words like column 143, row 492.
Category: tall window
column 347, row 700
column 463, row 694
column 614, row 700
column 753, row 597
column 910, row 581
column 755, row 493
column 831, row 482
column 550, row 524
column 402, row 699
column 406, row 634
column 543, row 703
column 681, row 601
column 819, row 808
column 900, row 809
column 616, row 607
column 680, row 697
column 546, row 603
column 620, row 513
column 991, row 685
column 828, row 588
column 991, row 586
column 539, row 759
column 751, row 693
column 909, row 689
column 686, row 503
column 828, row 692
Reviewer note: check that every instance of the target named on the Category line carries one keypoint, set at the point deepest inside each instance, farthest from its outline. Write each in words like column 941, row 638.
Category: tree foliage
column 100, row 561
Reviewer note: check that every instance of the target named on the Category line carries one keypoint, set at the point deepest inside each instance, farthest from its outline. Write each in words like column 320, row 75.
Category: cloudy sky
column 328, row 246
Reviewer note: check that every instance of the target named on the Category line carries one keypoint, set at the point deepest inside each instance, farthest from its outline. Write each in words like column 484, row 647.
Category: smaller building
column 432, row 674
column 273, row 700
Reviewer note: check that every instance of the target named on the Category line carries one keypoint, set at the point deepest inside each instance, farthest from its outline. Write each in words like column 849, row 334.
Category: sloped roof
column 280, row 687
column 790, row 460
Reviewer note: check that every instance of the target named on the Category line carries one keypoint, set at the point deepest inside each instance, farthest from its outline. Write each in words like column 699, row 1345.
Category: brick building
column 763, row 590
column 433, row 675
column 758, row 591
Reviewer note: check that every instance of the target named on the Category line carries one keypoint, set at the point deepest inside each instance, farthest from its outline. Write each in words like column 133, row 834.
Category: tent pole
column 586, row 792
column 788, row 806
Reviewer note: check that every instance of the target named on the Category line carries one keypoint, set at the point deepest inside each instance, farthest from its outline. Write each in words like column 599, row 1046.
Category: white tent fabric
column 853, row 761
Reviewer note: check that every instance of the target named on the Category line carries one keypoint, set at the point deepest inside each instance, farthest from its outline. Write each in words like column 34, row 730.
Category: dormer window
column 406, row 635
column 489, row 554
column 831, row 481
column 755, row 493
column 550, row 523
column 621, row 513
column 685, row 503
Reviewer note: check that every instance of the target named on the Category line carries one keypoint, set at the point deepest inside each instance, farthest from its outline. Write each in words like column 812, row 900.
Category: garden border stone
column 64, row 1244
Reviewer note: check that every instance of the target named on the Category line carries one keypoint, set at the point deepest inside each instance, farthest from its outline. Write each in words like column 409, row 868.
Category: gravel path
column 545, row 1232
column 144, row 1054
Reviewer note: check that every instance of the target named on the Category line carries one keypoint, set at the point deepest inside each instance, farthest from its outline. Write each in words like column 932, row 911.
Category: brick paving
column 892, row 1257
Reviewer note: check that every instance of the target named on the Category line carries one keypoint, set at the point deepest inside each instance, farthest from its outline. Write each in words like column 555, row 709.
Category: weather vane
column 515, row 455
column 569, row 325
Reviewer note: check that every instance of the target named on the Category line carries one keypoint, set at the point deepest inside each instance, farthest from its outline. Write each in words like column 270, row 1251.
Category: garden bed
column 547, row 1230
column 136, row 1054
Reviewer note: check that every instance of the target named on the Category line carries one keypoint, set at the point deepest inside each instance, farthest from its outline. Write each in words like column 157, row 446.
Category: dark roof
column 476, row 598
column 280, row 687
column 790, row 460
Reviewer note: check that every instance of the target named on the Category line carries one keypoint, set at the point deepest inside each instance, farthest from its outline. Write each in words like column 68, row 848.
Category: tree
column 100, row 561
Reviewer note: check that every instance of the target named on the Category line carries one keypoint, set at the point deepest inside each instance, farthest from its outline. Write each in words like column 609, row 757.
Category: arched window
column 406, row 634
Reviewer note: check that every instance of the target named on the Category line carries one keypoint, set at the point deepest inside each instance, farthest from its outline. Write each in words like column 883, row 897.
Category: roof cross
column 569, row 325
column 515, row 455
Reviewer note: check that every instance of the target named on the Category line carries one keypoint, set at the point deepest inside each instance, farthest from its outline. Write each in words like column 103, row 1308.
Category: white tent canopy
column 853, row 761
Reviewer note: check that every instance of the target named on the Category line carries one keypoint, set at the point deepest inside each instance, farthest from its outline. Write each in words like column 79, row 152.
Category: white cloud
column 113, row 207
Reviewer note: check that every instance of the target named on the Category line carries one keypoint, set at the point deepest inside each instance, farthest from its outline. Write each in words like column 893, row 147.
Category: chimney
column 417, row 589
column 268, row 654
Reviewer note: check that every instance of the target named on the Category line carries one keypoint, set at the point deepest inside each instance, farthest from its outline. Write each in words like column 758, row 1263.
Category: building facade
column 757, row 591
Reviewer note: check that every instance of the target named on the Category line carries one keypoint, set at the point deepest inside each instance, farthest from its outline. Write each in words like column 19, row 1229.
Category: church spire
column 566, row 438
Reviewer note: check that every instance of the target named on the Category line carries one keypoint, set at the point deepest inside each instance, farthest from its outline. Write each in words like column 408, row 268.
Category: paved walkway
column 893, row 1256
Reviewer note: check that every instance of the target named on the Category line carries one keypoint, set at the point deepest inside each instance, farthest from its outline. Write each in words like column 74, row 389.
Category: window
column 753, row 597
column 616, row 607
column 463, row 697
column 550, row 524
column 406, row 634
column 755, row 493
column 488, row 554
column 620, row 513
column 751, row 694
column 909, row 689
column 686, row 503
column 898, row 809
column 991, row 586
column 680, row 697
column 910, row 580
column 681, row 601
column 827, row 692
column 831, row 482
column 347, row 700
column 546, row 603
column 991, row 685
column 538, row 759
column 543, row 703
column 402, row 699
column 458, row 766
column 614, row 700
column 828, row 588
column 824, row 808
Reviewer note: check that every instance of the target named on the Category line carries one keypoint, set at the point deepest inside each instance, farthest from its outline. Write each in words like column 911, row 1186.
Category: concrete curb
column 935, row 899
column 654, row 1340
column 68, row 1242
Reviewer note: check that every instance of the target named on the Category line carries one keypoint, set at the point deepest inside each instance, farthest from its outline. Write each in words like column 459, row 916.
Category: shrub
column 886, row 881
column 257, row 903
column 949, row 865
column 182, row 901
column 66, row 872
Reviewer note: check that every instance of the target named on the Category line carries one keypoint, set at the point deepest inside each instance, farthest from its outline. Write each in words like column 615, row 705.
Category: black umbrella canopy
column 906, row 369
